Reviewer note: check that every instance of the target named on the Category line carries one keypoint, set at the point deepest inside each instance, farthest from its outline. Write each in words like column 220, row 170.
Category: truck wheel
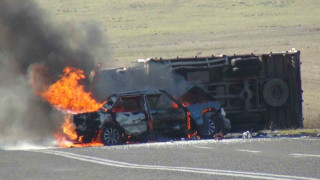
column 245, row 62
column 275, row 92
column 210, row 126
column 111, row 135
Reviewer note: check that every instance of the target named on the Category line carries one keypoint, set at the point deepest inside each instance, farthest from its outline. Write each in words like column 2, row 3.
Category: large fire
column 70, row 97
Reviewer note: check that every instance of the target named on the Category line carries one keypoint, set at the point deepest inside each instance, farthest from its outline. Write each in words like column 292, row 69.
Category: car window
column 161, row 102
column 128, row 104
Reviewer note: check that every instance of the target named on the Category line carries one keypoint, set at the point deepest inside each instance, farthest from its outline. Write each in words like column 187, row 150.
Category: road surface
column 265, row 158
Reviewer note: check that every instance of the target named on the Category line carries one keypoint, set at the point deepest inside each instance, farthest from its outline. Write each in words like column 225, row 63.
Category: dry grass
column 144, row 28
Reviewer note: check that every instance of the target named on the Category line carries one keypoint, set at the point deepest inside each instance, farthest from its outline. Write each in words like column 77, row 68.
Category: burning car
column 139, row 114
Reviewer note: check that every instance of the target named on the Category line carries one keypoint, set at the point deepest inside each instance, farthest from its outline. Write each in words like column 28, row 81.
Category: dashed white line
column 120, row 164
column 305, row 155
column 204, row 147
column 250, row 151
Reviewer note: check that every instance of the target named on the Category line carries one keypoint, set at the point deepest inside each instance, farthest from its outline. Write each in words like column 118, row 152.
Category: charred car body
column 139, row 114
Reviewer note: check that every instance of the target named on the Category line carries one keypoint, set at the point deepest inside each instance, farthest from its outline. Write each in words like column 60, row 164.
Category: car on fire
column 143, row 113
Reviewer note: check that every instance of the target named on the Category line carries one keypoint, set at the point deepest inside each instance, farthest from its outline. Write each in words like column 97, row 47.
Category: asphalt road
column 270, row 158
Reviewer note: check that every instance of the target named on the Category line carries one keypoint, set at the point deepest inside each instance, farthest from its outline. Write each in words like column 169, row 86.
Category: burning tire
column 211, row 125
column 276, row 92
column 111, row 135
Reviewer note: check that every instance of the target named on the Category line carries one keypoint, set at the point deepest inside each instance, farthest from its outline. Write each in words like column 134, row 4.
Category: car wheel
column 210, row 125
column 276, row 92
column 111, row 135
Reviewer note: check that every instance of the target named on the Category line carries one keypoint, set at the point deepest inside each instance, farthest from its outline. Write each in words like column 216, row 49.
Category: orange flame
column 206, row 110
column 174, row 105
column 69, row 96
column 185, row 104
column 191, row 135
column 194, row 135
column 68, row 137
column 69, row 129
column 188, row 121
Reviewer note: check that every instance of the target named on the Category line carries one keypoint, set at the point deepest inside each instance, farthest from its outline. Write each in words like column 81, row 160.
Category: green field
column 158, row 28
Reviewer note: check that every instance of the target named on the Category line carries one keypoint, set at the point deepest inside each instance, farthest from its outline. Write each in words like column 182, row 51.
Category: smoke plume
column 32, row 46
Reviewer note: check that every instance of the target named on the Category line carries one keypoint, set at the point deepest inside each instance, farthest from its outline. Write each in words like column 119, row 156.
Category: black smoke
column 29, row 40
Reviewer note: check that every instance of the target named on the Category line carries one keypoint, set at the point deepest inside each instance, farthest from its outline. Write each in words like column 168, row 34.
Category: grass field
column 170, row 28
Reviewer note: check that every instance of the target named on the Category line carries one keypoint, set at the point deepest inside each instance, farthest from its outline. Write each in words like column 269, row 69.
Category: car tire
column 276, row 92
column 111, row 135
column 210, row 126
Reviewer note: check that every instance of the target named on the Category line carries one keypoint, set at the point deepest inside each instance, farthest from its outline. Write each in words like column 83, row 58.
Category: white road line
column 312, row 139
column 204, row 147
column 305, row 155
column 250, row 151
column 308, row 139
column 113, row 163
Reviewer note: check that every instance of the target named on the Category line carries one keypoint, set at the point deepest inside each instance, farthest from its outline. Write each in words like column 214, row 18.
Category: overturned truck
column 257, row 91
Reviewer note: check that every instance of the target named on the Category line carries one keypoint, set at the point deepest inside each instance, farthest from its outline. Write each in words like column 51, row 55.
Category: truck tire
column 275, row 92
column 210, row 126
column 246, row 62
column 246, row 71
column 111, row 135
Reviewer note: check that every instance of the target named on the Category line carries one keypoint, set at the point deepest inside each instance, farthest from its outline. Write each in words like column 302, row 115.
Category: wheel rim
column 211, row 127
column 277, row 92
column 111, row 135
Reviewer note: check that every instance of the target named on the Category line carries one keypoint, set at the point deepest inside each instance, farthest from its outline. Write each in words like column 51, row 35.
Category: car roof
column 142, row 92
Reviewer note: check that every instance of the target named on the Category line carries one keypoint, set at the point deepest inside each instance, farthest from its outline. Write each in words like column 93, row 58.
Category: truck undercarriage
column 257, row 91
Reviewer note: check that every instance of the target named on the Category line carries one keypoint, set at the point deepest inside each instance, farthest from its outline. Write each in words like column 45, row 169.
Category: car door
column 165, row 113
column 129, row 113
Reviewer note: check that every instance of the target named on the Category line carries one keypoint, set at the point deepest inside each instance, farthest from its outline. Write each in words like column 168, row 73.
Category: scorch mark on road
column 120, row 164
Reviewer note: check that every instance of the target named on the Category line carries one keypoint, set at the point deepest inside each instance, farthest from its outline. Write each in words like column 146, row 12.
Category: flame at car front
column 70, row 97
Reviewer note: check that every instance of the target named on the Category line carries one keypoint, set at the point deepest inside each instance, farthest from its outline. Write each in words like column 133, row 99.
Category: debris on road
column 246, row 135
